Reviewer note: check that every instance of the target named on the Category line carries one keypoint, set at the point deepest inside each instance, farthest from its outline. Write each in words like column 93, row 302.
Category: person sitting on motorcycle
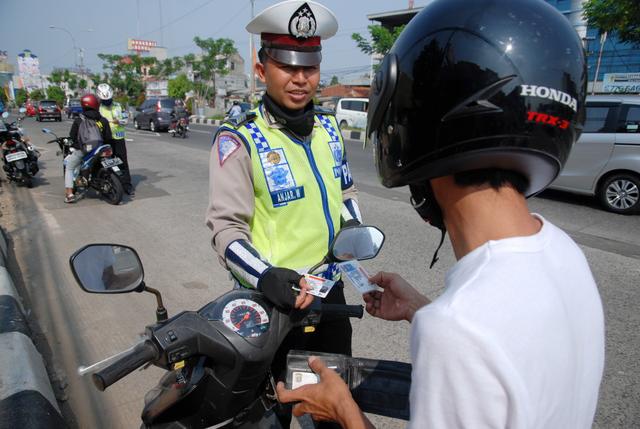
column 179, row 111
column 90, row 112
column 235, row 110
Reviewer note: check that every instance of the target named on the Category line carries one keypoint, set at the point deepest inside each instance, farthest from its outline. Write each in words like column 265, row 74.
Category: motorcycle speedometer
column 245, row 317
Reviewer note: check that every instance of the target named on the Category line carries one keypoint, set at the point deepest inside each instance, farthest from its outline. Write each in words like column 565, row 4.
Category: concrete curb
column 347, row 134
column 26, row 395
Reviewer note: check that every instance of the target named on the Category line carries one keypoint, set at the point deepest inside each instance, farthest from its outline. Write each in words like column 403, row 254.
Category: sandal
column 70, row 198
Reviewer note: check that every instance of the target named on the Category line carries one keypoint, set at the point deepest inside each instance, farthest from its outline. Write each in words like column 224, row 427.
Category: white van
column 352, row 112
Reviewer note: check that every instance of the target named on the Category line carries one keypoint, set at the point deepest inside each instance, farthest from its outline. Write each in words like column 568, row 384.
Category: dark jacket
column 102, row 123
column 180, row 112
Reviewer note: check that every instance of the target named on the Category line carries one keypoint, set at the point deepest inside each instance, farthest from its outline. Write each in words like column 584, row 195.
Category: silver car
column 605, row 161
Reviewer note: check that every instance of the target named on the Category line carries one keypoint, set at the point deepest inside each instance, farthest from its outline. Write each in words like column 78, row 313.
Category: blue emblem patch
column 280, row 180
column 227, row 145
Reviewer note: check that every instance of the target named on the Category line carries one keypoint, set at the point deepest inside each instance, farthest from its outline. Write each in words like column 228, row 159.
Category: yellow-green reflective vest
column 114, row 112
column 298, row 192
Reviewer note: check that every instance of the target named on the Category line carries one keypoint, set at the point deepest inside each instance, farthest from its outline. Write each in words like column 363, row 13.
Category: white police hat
column 291, row 31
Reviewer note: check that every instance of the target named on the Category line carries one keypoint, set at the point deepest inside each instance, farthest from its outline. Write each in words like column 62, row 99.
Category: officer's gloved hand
column 277, row 283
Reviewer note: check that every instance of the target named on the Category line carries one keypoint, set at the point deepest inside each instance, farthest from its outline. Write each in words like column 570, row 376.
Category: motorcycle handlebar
column 342, row 310
column 130, row 361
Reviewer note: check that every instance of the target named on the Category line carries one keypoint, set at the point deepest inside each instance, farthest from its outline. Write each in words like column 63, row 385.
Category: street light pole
column 75, row 47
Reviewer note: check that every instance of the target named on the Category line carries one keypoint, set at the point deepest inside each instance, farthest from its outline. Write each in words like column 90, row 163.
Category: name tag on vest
column 282, row 197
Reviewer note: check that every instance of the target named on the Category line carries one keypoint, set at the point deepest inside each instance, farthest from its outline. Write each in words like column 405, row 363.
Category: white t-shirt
column 515, row 341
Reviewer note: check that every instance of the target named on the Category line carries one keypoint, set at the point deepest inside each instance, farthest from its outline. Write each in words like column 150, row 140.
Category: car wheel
column 152, row 126
column 135, row 124
column 343, row 124
column 620, row 193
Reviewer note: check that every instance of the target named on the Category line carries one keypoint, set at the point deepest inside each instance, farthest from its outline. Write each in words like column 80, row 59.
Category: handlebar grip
column 138, row 356
column 342, row 310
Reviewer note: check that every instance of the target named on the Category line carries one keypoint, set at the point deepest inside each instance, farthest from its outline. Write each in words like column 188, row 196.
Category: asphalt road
column 165, row 223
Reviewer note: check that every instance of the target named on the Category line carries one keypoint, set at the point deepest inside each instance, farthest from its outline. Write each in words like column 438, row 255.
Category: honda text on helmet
column 479, row 86
column 89, row 102
column 105, row 93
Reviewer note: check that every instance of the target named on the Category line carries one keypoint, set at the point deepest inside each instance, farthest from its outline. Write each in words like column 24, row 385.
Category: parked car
column 154, row 114
column 605, row 161
column 73, row 108
column 48, row 109
column 352, row 112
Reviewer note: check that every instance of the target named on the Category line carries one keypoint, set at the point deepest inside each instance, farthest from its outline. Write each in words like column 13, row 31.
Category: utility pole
column 251, row 49
column 603, row 39
column 161, row 32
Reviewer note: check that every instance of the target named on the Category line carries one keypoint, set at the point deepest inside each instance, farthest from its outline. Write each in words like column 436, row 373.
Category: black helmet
column 475, row 85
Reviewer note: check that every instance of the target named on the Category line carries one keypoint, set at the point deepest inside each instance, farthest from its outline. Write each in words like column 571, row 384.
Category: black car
column 154, row 114
column 48, row 109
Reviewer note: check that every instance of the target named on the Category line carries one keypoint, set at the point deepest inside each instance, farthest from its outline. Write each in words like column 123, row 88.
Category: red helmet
column 89, row 101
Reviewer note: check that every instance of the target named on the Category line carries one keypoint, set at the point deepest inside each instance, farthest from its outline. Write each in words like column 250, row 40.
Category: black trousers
column 332, row 336
column 120, row 150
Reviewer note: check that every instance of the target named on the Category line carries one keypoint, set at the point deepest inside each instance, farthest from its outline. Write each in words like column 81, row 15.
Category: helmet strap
column 424, row 202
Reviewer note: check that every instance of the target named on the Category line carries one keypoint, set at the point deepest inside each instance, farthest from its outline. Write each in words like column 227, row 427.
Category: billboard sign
column 621, row 83
column 141, row 45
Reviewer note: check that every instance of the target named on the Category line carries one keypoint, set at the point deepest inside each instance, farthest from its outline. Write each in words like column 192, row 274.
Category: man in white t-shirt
column 475, row 120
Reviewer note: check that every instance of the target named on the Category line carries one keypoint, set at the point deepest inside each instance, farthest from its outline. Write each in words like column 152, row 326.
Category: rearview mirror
column 5, row 115
column 358, row 242
column 107, row 268
column 22, row 110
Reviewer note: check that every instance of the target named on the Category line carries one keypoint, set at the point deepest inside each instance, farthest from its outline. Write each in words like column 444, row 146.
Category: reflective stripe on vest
column 117, row 131
column 298, row 194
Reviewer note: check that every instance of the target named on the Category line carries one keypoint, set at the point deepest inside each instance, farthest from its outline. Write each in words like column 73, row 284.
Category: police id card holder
column 277, row 171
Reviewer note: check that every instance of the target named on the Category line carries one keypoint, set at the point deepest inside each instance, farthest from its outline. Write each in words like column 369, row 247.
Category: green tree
column 212, row 62
column 167, row 68
column 56, row 93
column 179, row 86
column 36, row 94
column 619, row 17
column 381, row 39
column 56, row 77
column 21, row 96
column 124, row 73
column 334, row 81
column 82, row 84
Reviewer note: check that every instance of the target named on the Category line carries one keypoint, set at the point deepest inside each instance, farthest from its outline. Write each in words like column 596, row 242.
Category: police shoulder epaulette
column 236, row 121
column 321, row 110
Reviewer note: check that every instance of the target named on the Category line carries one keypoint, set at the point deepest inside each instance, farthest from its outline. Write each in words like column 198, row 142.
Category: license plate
column 111, row 162
column 16, row 156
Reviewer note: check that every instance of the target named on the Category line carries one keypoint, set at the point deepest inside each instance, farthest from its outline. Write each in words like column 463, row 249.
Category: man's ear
column 260, row 72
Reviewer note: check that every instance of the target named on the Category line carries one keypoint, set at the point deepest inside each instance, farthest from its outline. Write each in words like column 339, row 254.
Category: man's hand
column 330, row 399
column 398, row 301
column 115, row 121
column 285, row 288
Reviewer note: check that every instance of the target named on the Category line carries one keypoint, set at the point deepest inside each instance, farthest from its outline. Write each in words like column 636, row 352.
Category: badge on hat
column 302, row 23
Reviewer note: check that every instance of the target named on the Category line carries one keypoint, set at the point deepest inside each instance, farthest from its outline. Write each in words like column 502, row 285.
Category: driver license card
column 299, row 379
column 357, row 276
column 318, row 286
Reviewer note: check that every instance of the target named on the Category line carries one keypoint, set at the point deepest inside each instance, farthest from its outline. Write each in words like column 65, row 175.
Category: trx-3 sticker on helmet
column 549, row 93
column 302, row 23
column 543, row 118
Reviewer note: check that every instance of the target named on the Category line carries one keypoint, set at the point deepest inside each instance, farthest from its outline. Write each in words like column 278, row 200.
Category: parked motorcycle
column 181, row 128
column 99, row 170
column 19, row 156
column 218, row 358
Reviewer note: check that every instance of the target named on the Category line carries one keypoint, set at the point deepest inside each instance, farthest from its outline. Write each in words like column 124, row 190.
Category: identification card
column 299, row 379
column 318, row 286
column 357, row 276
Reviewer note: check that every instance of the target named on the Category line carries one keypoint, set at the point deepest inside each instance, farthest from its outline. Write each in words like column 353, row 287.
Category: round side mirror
column 22, row 110
column 359, row 242
column 107, row 268
column 5, row 115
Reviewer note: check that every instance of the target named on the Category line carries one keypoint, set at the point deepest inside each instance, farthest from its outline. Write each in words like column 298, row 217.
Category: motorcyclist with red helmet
column 475, row 108
column 90, row 112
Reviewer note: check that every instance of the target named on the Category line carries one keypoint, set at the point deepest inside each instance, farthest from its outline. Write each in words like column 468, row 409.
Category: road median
column 26, row 395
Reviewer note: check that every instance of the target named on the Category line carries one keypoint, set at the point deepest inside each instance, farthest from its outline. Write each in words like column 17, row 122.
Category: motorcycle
column 19, row 156
column 99, row 170
column 218, row 358
column 181, row 128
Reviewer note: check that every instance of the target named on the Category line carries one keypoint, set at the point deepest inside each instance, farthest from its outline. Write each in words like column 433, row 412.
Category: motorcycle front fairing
column 227, row 348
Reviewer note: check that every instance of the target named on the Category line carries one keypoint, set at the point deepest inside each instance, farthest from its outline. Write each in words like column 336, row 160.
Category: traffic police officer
column 112, row 111
column 279, row 185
